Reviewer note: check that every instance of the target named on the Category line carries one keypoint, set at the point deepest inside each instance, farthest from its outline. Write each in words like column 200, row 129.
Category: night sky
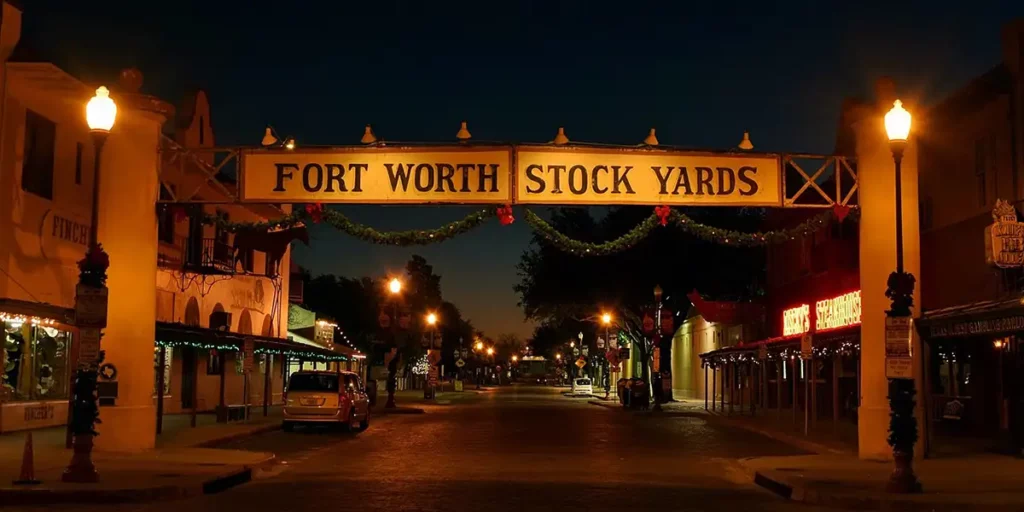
column 516, row 71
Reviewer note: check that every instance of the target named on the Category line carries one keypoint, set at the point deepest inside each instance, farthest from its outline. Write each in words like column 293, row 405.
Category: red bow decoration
column 178, row 212
column 662, row 212
column 840, row 211
column 315, row 212
column 505, row 215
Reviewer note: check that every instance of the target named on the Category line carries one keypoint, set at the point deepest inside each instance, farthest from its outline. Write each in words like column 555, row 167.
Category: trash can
column 638, row 396
column 620, row 390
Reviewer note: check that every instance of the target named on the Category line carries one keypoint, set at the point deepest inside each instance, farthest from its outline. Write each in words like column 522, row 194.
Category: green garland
column 684, row 222
column 563, row 242
column 741, row 239
column 304, row 216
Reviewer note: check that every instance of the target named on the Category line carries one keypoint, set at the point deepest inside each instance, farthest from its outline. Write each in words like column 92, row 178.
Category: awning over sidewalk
column 844, row 340
column 15, row 307
column 180, row 335
column 987, row 318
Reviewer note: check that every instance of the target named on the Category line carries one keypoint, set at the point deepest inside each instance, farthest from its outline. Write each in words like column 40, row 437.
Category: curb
column 211, row 443
column 803, row 444
column 872, row 501
column 29, row 496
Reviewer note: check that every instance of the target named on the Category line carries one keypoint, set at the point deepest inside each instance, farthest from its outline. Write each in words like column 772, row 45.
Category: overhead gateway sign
column 462, row 175
column 503, row 175
column 548, row 175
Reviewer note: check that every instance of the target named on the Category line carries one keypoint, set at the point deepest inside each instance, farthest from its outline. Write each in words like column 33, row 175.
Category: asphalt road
column 516, row 448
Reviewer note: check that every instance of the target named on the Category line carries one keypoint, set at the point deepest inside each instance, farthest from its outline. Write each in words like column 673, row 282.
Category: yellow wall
column 695, row 337
column 208, row 396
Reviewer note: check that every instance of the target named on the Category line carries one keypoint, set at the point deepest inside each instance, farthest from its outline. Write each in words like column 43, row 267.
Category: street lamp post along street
column 900, row 289
column 658, row 385
column 606, row 320
column 100, row 114
column 395, row 288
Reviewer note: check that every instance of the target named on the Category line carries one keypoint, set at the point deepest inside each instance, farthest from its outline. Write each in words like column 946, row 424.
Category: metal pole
column 714, row 386
column 705, row 388
column 195, row 386
column 267, row 376
column 99, row 138
column 796, row 390
column 778, row 389
column 162, row 362
column 837, row 366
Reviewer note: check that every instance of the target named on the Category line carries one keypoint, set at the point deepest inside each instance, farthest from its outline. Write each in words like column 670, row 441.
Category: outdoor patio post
column 161, row 363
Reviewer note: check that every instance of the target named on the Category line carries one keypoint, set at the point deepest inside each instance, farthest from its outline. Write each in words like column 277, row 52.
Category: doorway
column 188, row 376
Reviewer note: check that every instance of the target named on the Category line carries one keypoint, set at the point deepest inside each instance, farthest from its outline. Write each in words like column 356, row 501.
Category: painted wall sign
column 63, row 236
column 1004, row 238
column 837, row 312
column 379, row 175
column 796, row 320
column 547, row 175
column 975, row 327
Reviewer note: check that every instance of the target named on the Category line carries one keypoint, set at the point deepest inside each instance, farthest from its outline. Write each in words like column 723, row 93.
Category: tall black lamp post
column 902, row 424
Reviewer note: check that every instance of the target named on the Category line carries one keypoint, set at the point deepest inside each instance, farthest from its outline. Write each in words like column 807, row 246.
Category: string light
column 22, row 319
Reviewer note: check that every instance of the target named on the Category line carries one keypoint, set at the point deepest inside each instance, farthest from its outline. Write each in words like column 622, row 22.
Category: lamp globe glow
column 479, row 345
column 101, row 111
column 606, row 318
column 395, row 286
column 490, row 351
column 897, row 122
column 431, row 319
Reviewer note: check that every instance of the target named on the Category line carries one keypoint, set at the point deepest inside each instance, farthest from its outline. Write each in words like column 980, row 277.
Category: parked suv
column 326, row 397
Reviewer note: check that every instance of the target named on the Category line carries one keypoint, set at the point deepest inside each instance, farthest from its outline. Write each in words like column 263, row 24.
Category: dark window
column 247, row 258
column 214, row 363
column 202, row 131
column 165, row 222
column 313, row 382
column 37, row 167
column 926, row 213
column 78, row 163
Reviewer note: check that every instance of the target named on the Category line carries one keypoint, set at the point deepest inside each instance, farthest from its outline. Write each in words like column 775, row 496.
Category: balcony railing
column 207, row 255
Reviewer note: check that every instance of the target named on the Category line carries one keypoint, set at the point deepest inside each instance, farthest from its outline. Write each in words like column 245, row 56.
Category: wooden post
column 807, row 393
column 752, row 384
column 705, row 388
column 837, row 366
column 195, row 386
column 267, row 376
column 764, row 384
column 160, row 376
column 778, row 389
column 222, row 412
column 714, row 387
column 814, row 390
column 732, row 385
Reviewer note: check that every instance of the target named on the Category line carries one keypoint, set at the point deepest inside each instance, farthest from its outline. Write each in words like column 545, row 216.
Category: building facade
column 972, row 153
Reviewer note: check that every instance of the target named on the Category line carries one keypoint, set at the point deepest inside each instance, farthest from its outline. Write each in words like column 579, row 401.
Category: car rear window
column 582, row 382
column 313, row 382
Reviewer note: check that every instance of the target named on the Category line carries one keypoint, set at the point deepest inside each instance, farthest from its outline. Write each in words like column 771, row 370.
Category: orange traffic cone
column 28, row 470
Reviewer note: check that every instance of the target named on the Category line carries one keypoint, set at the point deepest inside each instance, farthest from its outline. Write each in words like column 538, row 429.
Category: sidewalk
column 180, row 466
column 980, row 482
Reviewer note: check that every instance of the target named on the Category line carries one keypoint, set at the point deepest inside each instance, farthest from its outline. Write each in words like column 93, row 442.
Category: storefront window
column 35, row 360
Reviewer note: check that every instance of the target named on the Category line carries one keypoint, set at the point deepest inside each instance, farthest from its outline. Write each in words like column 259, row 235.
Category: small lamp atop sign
column 463, row 134
column 560, row 137
column 745, row 144
column 289, row 144
column 368, row 136
column 268, row 138
column 651, row 140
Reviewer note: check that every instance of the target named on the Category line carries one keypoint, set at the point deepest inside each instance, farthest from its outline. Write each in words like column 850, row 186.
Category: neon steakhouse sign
column 829, row 314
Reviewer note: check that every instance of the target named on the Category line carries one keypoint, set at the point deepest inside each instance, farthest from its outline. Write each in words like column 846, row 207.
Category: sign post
column 248, row 349
column 898, row 356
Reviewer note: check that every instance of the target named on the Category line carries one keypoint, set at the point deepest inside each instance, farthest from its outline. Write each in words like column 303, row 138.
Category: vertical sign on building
column 806, row 346
column 248, row 347
column 898, row 357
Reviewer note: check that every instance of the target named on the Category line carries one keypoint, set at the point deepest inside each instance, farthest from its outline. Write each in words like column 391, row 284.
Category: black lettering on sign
column 335, row 173
column 704, row 177
column 358, row 169
column 488, row 172
column 558, row 177
column 445, row 172
column 309, row 172
column 581, row 172
column 683, row 182
column 421, row 171
column 597, row 169
column 465, row 168
column 662, row 179
column 726, row 181
column 748, row 180
column 533, row 174
column 401, row 174
column 621, row 180
column 283, row 173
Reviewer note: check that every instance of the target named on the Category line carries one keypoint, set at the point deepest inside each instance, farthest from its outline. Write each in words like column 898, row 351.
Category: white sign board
column 898, row 357
column 806, row 346
column 90, row 306
column 88, row 345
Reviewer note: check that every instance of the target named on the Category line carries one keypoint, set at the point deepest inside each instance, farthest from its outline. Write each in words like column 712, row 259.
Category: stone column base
column 126, row 429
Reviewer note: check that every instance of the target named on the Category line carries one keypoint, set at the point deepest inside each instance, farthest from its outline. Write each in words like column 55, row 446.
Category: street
column 513, row 448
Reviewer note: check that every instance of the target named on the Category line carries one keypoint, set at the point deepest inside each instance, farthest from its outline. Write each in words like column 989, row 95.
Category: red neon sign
column 834, row 313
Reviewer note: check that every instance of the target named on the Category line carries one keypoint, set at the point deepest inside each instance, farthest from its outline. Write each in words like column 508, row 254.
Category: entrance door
column 188, row 376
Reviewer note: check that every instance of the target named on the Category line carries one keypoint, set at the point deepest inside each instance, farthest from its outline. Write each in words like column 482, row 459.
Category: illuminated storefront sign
column 834, row 313
column 841, row 311
column 796, row 320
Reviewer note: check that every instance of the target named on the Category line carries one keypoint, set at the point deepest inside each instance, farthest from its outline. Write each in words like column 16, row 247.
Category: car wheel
column 347, row 426
column 287, row 426
column 365, row 424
